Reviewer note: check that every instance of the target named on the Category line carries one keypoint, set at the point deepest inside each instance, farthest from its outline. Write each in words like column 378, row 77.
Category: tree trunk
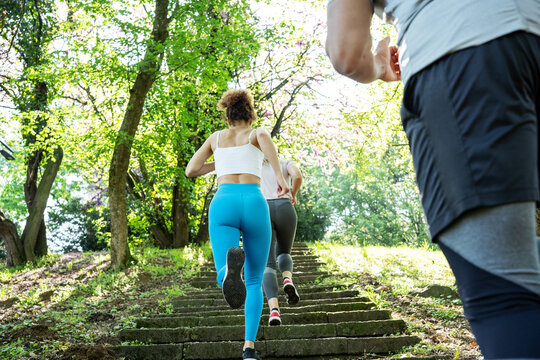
column 180, row 218
column 41, row 248
column 120, row 255
column 161, row 234
column 34, row 222
column 30, row 190
column 203, row 234
column 32, row 165
column 14, row 249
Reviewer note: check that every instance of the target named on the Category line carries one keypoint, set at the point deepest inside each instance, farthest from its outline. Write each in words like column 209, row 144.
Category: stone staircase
column 329, row 322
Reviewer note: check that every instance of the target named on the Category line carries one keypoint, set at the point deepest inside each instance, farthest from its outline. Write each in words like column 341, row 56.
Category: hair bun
column 233, row 97
column 238, row 105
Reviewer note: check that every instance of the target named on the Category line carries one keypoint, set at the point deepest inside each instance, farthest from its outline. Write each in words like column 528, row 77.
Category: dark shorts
column 472, row 123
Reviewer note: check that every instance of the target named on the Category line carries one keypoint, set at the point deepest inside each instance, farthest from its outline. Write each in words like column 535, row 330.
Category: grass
column 403, row 268
column 388, row 276
column 81, row 301
column 65, row 292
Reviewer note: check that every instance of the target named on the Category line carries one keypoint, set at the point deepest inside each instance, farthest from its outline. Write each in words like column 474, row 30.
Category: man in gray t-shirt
column 471, row 107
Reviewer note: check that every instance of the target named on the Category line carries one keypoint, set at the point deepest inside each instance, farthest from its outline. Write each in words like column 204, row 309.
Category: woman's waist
column 239, row 179
column 239, row 189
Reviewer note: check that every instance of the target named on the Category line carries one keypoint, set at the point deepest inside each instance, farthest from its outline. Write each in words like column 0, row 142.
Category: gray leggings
column 493, row 253
column 501, row 240
column 283, row 218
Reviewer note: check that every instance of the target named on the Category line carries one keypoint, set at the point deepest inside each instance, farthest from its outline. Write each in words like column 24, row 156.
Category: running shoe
column 275, row 318
column 290, row 292
column 234, row 288
column 250, row 354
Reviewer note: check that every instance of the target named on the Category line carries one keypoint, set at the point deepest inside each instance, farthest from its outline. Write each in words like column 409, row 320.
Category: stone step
column 210, row 281
column 327, row 305
column 298, row 277
column 300, row 252
column 206, row 293
column 218, row 300
column 290, row 319
column 296, row 348
column 305, row 289
column 283, row 332
column 297, row 272
column 193, row 307
column 330, row 322
column 305, row 257
column 329, row 294
column 297, row 265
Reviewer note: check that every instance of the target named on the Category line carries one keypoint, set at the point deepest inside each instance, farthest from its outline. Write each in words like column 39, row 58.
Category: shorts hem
column 440, row 223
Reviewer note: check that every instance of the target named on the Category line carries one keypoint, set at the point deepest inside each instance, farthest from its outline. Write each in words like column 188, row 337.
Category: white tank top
column 243, row 159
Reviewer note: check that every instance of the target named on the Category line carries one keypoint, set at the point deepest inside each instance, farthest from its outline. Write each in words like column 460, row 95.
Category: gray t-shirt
column 269, row 182
column 431, row 29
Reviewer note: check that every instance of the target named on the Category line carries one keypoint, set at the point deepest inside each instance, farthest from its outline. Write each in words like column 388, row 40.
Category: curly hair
column 238, row 105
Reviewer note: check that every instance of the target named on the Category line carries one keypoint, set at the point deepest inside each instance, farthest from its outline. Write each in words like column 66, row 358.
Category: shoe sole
column 274, row 322
column 234, row 288
column 291, row 294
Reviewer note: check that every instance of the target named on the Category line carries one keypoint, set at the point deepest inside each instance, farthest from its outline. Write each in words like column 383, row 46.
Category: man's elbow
column 189, row 172
column 352, row 64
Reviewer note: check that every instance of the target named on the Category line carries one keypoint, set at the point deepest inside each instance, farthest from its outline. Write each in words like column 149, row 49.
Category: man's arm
column 348, row 43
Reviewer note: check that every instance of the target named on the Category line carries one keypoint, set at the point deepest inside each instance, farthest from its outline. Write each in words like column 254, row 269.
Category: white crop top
column 243, row 159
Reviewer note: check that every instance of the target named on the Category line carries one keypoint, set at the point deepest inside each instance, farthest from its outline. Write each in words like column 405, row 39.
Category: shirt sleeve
column 286, row 166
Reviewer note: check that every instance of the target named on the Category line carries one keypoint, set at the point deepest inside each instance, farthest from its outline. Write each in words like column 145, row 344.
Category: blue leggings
column 235, row 209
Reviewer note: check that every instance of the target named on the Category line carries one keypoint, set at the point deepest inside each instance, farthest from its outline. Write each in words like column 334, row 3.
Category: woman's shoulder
column 213, row 138
column 215, row 134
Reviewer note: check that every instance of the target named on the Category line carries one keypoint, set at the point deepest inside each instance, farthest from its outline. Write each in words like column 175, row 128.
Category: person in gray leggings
column 283, row 219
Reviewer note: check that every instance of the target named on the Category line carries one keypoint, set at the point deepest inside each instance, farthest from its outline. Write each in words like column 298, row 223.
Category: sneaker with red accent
column 275, row 318
column 290, row 291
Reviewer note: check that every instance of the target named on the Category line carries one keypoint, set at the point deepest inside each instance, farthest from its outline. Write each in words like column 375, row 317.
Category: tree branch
column 17, row 29
column 7, row 91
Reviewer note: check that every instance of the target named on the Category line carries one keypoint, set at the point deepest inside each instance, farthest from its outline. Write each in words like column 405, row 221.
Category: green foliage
column 209, row 41
column 314, row 207
column 375, row 203
column 11, row 189
column 359, row 185
column 378, row 206
column 76, row 224
column 360, row 169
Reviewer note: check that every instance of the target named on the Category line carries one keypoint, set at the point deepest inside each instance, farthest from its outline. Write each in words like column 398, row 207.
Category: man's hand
column 387, row 59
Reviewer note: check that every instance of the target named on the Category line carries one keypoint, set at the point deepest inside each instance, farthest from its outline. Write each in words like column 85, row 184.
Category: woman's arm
column 267, row 146
column 198, row 166
column 296, row 178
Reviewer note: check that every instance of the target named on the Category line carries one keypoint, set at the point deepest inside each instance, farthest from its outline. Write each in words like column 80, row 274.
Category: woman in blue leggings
column 239, row 207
